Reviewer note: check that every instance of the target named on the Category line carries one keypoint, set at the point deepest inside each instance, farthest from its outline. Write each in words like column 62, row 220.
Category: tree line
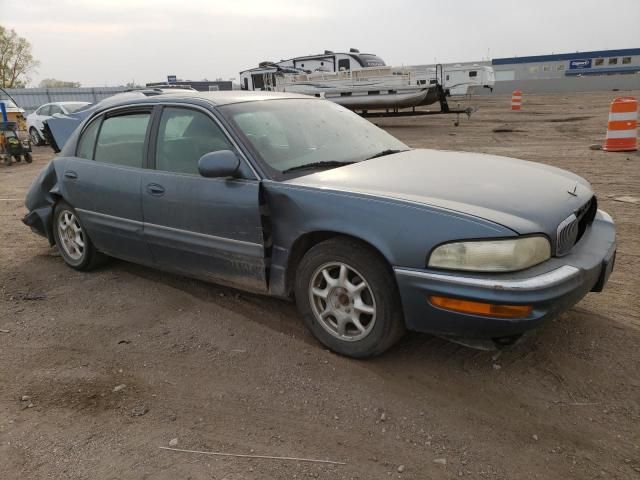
column 17, row 63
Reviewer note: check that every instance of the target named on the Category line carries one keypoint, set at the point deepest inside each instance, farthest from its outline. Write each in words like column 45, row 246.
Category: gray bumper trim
column 539, row 282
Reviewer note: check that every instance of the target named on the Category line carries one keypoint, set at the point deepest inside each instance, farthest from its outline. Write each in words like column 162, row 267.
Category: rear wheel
column 72, row 240
column 348, row 298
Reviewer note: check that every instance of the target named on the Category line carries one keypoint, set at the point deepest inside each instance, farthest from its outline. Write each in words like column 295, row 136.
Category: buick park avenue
column 299, row 198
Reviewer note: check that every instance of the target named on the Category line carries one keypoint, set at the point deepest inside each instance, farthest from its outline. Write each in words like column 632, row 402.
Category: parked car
column 35, row 120
column 297, row 197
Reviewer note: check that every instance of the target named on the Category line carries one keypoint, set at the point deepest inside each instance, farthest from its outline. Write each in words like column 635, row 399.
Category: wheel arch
column 303, row 243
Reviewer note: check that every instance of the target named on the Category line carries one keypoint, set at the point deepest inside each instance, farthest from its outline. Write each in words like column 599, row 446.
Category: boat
column 367, row 88
column 362, row 81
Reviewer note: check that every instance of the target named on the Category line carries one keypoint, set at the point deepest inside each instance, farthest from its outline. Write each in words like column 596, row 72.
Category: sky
column 113, row 42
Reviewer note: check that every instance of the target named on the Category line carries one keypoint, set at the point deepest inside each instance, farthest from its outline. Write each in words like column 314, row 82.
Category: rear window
column 121, row 140
column 75, row 107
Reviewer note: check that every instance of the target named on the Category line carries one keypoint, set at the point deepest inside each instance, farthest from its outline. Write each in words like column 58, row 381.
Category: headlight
column 492, row 255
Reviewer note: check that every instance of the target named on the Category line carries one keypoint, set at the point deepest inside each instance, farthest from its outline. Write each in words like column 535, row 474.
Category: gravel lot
column 221, row 370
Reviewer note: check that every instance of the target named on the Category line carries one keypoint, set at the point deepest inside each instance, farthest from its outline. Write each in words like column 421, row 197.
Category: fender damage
column 40, row 200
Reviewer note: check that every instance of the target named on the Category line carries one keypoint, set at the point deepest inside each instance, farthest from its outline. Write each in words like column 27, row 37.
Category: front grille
column 572, row 228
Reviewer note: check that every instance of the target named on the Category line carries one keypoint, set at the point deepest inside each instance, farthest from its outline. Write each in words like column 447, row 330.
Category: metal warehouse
column 579, row 71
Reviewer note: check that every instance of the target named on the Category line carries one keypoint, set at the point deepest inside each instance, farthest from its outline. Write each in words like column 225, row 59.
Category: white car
column 35, row 120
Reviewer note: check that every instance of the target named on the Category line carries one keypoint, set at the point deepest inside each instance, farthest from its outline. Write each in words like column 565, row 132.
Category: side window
column 44, row 110
column 344, row 64
column 55, row 109
column 184, row 136
column 88, row 140
column 121, row 140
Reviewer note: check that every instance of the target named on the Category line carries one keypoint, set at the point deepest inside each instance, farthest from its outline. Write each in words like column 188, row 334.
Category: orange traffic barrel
column 622, row 131
column 516, row 100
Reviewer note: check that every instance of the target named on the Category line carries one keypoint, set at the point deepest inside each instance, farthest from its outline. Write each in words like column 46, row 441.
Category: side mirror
column 223, row 163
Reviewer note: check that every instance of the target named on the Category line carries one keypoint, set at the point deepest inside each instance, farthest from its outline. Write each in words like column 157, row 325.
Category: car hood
column 524, row 196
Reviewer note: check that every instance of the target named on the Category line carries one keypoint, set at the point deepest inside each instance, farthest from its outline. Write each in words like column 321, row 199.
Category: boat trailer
column 442, row 100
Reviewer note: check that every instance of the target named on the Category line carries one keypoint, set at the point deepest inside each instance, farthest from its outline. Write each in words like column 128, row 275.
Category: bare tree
column 54, row 83
column 16, row 60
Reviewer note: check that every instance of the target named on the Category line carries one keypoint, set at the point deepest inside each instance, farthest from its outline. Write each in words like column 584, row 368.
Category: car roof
column 215, row 98
column 68, row 102
column 235, row 96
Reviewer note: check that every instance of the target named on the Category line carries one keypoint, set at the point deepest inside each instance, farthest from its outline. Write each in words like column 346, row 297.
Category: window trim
column 241, row 149
column 120, row 112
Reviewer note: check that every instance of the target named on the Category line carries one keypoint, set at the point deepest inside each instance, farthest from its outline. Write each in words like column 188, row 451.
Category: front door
column 103, row 183
column 205, row 227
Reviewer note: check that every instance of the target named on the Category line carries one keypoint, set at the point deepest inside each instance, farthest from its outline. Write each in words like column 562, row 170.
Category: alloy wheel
column 71, row 235
column 342, row 301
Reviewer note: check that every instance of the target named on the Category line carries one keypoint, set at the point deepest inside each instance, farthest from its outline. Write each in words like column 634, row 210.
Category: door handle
column 71, row 174
column 155, row 189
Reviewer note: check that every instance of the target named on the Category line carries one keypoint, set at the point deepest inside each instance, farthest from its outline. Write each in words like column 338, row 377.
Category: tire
column 72, row 240
column 362, row 288
column 17, row 158
column 28, row 158
column 36, row 139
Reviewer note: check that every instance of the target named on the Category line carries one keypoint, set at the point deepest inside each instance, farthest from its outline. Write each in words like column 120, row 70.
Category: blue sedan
column 297, row 197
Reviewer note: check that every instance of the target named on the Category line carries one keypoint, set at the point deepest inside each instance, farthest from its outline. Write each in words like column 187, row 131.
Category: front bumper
column 551, row 287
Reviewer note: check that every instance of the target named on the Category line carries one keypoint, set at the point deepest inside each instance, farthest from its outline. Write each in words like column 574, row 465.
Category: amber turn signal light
column 480, row 308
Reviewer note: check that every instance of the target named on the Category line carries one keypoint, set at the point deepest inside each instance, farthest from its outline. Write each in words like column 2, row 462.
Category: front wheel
column 348, row 298
column 36, row 139
column 28, row 158
column 72, row 240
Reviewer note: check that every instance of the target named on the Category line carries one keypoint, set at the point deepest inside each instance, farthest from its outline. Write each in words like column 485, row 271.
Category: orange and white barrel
column 622, row 131
column 516, row 100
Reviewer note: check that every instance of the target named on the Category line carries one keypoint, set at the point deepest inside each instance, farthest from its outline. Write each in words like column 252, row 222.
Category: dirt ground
column 221, row 370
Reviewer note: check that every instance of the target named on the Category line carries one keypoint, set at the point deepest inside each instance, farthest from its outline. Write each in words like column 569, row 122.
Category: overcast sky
column 111, row 42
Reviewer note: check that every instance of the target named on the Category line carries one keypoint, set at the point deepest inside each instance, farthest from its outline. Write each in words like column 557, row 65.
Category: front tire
column 72, row 240
column 36, row 139
column 348, row 298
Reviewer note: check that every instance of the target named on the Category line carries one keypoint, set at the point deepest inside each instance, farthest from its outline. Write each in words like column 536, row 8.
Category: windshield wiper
column 310, row 166
column 385, row 152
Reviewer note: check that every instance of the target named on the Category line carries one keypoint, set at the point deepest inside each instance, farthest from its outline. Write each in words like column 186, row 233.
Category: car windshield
column 75, row 107
column 292, row 134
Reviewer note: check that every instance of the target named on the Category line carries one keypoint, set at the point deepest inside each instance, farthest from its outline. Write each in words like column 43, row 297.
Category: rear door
column 206, row 227
column 103, row 182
